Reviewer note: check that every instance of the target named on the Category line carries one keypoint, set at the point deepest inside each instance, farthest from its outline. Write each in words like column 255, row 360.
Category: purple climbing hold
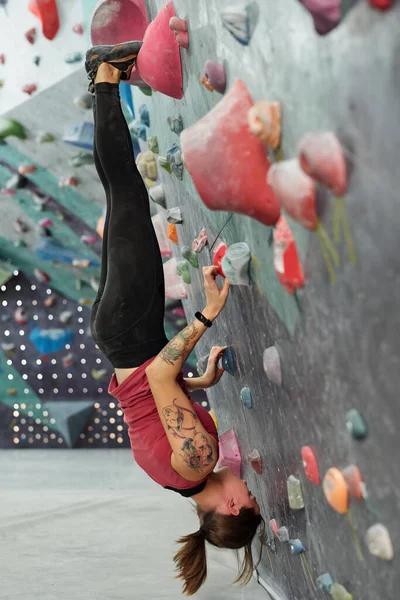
column 214, row 77
column 227, row 361
column 272, row 365
column 326, row 14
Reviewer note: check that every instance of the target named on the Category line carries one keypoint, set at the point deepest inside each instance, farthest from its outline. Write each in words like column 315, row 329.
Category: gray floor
column 91, row 525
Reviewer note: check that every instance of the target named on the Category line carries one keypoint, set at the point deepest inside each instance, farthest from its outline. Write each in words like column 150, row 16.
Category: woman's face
column 238, row 489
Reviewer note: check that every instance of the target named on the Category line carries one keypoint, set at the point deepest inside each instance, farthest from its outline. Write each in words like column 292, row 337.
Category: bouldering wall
column 333, row 345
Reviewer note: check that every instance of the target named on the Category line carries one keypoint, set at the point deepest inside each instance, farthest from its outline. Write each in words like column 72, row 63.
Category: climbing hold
column 2, row 59
column 227, row 163
column 98, row 373
column 174, row 159
column 79, row 133
column 287, row 264
column 228, row 362
column 356, row 424
column 73, row 57
column 153, row 144
column 201, row 241
column 85, row 301
column 81, row 159
column 354, row 482
column 229, row 454
column 295, row 493
column 16, row 182
column 31, row 35
column 81, row 263
column 273, row 525
column 190, row 256
column 295, row 191
column 174, row 287
column 138, row 131
column 310, row 464
column 88, row 239
column 172, row 233
column 219, row 253
column 272, row 365
column 21, row 316
column 147, row 91
column 36, row 60
column 236, row 264
column 7, row 347
column 20, row 226
column 46, row 12
column 175, row 124
column 162, row 161
column 147, row 165
column 381, row 4
column 180, row 29
column 11, row 391
column 68, row 360
column 379, row 541
column 182, row 269
column 340, row 593
column 50, row 340
column 41, row 276
column 50, row 301
column 24, row 169
column 214, row 418
column 45, row 222
column 256, row 462
column 264, row 120
column 144, row 115
column 174, row 215
column 46, row 249
column 321, row 157
column 159, row 61
column 65, row 316
column 214, row 78
column 84, row 101
column 157, row 194
column 296, row 547
column 29, row 88
column 10, row 127
column 324, row 583
column 326, row 14
column 68, row 181
column 283, row 534
column 241, row 21
column 335, row 490
column 45, row 138
column 77, row 28
column 245, row 396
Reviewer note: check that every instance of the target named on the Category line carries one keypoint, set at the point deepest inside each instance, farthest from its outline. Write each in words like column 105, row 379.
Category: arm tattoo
column 196, row 450
column 180, row 346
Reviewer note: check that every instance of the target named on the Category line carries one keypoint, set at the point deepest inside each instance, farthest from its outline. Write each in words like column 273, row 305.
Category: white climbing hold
column 65, row 316
column 157, row 194
column 379, row 542
column 174, row 215
column 272, row 365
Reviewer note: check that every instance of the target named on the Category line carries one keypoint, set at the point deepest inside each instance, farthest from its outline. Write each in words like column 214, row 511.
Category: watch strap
column 200, row 317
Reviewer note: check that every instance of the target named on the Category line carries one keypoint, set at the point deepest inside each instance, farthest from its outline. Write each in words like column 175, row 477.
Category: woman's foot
column 121, row 56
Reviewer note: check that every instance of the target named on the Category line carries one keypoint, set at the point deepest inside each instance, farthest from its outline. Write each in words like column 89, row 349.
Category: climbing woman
column 173, row 440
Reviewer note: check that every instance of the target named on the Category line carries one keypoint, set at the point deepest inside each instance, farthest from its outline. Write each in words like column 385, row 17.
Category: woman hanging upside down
column 173, row 440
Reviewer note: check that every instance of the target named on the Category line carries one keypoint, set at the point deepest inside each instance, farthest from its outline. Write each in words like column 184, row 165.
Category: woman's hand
column 213, row 372
column 215, row 297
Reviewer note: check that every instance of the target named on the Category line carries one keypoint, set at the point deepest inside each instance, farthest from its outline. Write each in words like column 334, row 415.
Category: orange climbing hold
column 24, row 169
column 47, row 13
column 265, row 122
column 287, row 264
column 335, row 490
column 172, row 233
column 227, row 163
column 321, row 157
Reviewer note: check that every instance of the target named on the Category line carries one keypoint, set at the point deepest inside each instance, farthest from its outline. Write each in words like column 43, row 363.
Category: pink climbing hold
column 355, row 484
column 31, row 35
column 310, row 464
column 174, row 286
column 2, row 59
column 227, row 163
column 219, row 253
column 321, row 157
column 20, row 226
column 295, row 191
column 46, row 222
column 287, row 264
column 326, row 14
column 47, row 13
column 77, row 28
column 255, row 461
column 201, row 241
column 229, row 454
column 41, row 276
column 159, row 60
column 180, row 29
column 89, row 239
column 214, row 78
column 21, row 316
column 274, row 527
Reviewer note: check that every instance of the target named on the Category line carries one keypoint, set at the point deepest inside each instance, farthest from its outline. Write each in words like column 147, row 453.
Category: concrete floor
column 91, row 525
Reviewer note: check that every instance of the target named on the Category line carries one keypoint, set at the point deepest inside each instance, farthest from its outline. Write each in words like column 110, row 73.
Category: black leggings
column 127, row 320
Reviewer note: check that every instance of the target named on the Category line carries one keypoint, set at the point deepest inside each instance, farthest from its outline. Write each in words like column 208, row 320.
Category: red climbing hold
column 295, row 191
column 227, row 163
column 219, row 253
column 180, row 29
column 2, row 59
column 31, row 35
column 321, row 157
column 287, row 264
column 381, row 4
column 78, row 28
column 47, row 13
column 29, row 88
column 354, row 481
column 159, row 60
column 310, row 464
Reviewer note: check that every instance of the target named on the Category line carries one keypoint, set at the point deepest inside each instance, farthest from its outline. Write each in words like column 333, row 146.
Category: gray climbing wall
column 338, row 343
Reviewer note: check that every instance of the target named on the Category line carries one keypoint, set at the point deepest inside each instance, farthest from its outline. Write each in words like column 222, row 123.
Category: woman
column 173, row 440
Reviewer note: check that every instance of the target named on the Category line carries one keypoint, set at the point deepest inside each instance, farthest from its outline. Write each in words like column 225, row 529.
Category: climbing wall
column 313, row 333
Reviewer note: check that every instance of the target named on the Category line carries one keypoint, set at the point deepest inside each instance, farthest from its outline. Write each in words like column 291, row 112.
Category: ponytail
column 191, row 562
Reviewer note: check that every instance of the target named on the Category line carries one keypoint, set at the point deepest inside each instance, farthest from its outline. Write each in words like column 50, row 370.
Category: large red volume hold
column 47, row 13
column 159, row 60
column 227, row 163
column 287, row 264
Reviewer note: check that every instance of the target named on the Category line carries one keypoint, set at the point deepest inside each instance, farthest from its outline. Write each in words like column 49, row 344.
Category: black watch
column 203, row 319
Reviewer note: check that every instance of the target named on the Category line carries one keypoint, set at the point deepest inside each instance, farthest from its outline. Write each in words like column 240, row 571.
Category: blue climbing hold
column 296, row 547
column 324, row 582
column 50, row 340
column 245, row 396
column 47, row 249
column 80, row 134
column 138, row 130
column 174, row 158
column 227, row 361
column 144, row 115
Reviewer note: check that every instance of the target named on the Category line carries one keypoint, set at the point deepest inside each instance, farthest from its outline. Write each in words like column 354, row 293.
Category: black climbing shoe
column 114, row 55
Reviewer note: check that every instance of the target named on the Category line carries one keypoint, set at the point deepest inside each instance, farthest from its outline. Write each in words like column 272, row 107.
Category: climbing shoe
column 121, row 56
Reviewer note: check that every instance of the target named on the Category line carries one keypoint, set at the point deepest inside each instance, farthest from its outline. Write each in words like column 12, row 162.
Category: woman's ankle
column 106, row 73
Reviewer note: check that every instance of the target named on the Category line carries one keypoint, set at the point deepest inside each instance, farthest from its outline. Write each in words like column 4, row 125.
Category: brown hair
column 222, row 531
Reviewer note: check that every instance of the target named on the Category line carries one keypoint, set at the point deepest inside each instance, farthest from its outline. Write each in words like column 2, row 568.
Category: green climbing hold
column 340, row 593
column 190, row 256
column 81, row 158
column 153, row 144
column 11, row 127
column 147, row 91
column 45, row 138
column 295, row 493
column 356, row 424
column 182, row 269
column 164, row 164
column 175, row 124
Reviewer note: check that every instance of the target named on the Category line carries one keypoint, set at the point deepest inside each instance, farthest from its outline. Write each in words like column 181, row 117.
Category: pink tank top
column 149, row 442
